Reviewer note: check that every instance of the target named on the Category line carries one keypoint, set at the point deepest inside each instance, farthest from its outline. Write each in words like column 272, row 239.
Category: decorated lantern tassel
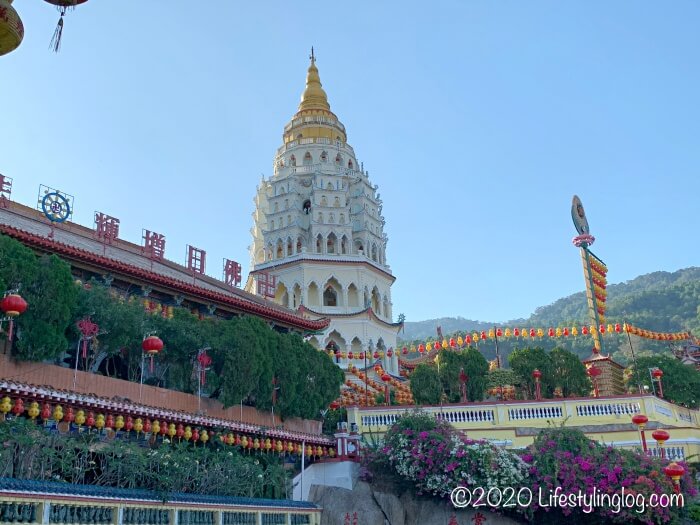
column 56, row 39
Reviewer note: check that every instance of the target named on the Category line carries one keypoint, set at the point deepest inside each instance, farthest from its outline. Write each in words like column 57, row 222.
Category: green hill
column 659, row 301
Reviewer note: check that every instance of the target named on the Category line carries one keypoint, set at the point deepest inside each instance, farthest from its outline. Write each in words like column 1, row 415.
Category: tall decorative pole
column 594, row 291
column 641, row 420
column 536, row 374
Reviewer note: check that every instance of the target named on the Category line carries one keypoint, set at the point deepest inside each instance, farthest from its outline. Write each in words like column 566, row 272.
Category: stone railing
column 24, row 501
column 513, row 414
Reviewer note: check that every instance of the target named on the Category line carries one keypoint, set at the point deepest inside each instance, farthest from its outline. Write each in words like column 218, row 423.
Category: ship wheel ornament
column 56, row 207
column 63, row 6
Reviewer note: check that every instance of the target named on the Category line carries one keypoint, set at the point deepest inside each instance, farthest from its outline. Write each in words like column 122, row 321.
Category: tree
column 426, row 386
column 524, row 360
column 681, row 383
column 475, row 367
column 503, row 376
column 569, row 373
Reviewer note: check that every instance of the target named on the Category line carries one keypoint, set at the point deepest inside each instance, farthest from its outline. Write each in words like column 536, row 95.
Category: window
column 293, row 160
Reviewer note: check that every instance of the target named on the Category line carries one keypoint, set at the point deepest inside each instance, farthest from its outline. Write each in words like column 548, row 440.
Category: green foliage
column 503, row 376
column 29, row 452
column 560, row 368
column 474, row 365
column 681, row 383
column 569, row 373
column 426, row 386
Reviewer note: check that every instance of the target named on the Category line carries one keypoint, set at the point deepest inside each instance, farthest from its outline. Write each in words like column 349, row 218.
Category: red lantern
column 180, row 431
column 152, row 345
column 468, row 339
column 335, row 405
column 69, row 417
column 13, row 305
column 386, row 378
column 45, row 412
column 536, row 374
column 516, row 332
column 109, row 422
column 18, row 407
column 421, row 348
column 129, row 424
column 499, row 332
column 375, row 354
column 404, row 350
column 660, row 435
column 657, row 373
column 195, row 434
column 147, row 426
column 453, row 343
column 584, row 330
column 675, row 472
column 640, row 420
column 565, row 332
column 483, row 335
column 550, row 332
column 389, row 352
column 90, row 421
column 617, row 328
column 533, row 332
column 602, row 328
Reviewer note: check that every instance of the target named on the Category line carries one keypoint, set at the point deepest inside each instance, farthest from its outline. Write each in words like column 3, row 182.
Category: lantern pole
column 498, row 356
column 303, row 456
column 651, row 377
column 77, row 353
column 634, row 358
column 143, row 362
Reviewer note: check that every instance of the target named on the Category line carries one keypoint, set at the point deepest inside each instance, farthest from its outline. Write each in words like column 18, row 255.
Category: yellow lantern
column 80, row 417
column 11, row 28
column 244, row 441
column 540, row 332
column 155, row 427
column 58, row 414
column 230, row 440
column 268, row 444
column 188, row 433
column 610, row 328
column 138, row 425
column 492, row 333
column 558, row 332
column 574, row 330
column 331, row 452
column 204, row 436
column 33, row 411
column 100, row 421
column 5, row 405
column 278, row 447
column 460, row 341
column 319, row 451
column 309, row 450
column 429, row 347
column 256, row 444
column 119, row 423
column 290, row 447
column 444, row 345
column 413, row 349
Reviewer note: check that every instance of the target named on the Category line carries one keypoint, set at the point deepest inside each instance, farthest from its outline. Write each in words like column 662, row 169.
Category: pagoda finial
column 314, row 97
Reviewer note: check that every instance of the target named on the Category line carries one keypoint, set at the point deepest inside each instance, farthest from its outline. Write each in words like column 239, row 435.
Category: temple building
column 319, row 245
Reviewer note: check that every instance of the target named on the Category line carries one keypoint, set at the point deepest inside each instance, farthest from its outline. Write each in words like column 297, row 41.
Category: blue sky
column 478, row 121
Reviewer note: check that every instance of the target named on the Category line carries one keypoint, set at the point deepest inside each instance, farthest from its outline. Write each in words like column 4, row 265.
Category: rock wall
column 374, row 507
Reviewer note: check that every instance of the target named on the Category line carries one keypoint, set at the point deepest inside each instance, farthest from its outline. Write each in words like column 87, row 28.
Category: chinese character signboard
column 153, row 245
column 232, row 273
column 266, row 285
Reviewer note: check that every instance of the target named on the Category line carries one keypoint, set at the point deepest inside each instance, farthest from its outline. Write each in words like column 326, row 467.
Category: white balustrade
column 607, row 409
column 519, row 414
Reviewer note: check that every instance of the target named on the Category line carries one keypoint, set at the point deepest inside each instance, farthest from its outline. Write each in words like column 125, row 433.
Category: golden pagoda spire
column 314, row 97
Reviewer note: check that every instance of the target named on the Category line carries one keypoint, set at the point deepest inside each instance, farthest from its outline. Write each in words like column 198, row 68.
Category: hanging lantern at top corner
column 63, row 6
column 11, row 28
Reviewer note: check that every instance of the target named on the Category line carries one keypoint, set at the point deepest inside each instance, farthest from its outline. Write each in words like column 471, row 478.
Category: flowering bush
column 566, row 458
column 434, row 458
column 437, row 459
